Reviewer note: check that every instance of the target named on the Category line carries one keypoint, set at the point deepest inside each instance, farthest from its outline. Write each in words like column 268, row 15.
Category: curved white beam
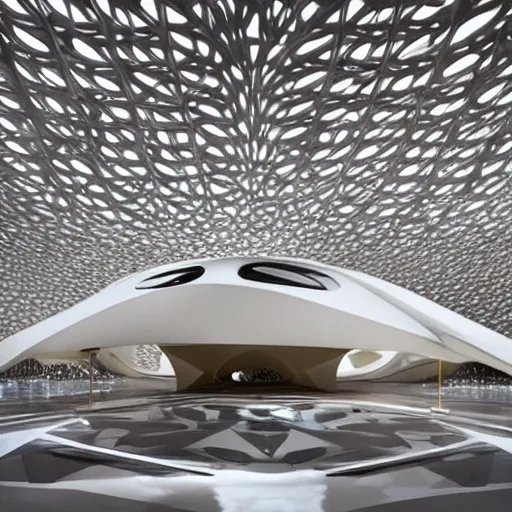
column 456, row 332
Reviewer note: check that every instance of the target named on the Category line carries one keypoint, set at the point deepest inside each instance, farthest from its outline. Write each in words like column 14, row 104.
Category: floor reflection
column 250, row 453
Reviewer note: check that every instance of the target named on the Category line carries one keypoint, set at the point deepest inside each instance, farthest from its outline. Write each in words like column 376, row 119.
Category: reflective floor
column 140, row 449
column 49, row 395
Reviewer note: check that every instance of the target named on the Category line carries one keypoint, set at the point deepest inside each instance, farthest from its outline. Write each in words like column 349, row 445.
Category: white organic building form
column 294, row 317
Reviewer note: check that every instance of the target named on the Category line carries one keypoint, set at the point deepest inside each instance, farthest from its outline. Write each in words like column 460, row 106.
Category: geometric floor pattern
column 193, row 454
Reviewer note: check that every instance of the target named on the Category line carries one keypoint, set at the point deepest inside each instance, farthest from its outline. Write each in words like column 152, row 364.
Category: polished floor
column 141, row 448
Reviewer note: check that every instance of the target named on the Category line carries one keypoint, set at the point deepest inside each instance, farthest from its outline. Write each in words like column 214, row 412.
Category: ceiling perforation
column 373, row 135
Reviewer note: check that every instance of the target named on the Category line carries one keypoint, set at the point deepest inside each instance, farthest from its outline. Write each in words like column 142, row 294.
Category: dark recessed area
column 253, row 375
column 287, row 275
column 172, row 278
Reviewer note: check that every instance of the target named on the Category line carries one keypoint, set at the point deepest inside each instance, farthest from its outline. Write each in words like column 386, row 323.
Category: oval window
column 287, row 275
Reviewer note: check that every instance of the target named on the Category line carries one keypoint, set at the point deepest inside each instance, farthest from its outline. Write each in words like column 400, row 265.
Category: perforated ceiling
column 371, row 134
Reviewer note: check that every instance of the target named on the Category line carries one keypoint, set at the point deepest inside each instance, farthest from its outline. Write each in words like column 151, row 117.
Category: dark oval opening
column 171, row 278
column 287, row 275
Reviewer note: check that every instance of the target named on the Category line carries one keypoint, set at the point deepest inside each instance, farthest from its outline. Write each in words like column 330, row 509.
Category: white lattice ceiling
column 371, row 134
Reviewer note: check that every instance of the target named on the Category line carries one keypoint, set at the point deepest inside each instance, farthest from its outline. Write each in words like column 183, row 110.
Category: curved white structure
column 131, row 361
column 212, row 317
column 384, row 365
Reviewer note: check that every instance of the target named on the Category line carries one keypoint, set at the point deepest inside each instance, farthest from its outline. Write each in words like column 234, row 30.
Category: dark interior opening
column 172, row 278
column 253, row 375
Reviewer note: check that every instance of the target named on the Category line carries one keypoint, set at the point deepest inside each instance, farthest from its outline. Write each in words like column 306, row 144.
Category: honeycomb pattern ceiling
column 371, row 134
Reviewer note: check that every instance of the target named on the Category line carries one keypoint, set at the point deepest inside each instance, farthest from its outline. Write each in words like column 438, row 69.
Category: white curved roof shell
column 221, row 308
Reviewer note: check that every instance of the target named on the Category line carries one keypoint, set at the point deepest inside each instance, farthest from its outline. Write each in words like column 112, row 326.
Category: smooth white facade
column 221, row 308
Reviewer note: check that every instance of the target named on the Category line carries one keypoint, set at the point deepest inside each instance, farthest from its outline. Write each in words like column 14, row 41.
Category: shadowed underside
column 308, row 367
